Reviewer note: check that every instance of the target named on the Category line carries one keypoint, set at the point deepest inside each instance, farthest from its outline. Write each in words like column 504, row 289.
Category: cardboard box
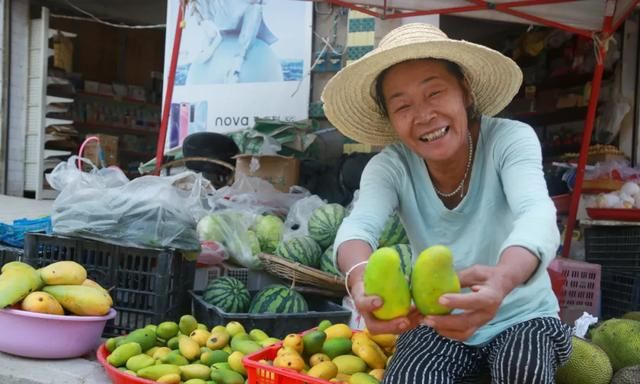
column 109, row 146
column 282, row 172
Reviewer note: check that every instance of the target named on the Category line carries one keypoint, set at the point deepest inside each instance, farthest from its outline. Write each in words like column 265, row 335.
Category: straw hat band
column 349, row 96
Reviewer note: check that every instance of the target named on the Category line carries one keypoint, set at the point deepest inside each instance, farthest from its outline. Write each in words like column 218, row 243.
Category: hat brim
column 348, row 97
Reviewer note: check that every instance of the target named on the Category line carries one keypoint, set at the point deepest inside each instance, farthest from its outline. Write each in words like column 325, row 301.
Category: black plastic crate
column 620, row 292
column 8, row 254
column 147, row 285
column 274, row 324
column 613, row 246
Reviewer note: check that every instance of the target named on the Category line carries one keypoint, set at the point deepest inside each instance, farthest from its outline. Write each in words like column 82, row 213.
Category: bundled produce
column 53, row 289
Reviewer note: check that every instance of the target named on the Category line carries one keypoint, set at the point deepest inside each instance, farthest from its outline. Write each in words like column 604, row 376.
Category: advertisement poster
column 239, row 59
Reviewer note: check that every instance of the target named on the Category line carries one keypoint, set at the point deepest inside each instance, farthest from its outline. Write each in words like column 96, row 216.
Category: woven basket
column 328, row 284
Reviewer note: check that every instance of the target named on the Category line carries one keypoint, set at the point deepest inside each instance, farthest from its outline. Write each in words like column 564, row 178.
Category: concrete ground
column 18, row 370
column 12, row 208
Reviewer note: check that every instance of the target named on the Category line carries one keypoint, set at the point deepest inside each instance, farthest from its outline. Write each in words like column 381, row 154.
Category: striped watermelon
column 324, row 223
column 406, row 258
column 326, row 262
column 277, row 298
column 393, row 232
column 301, row 249
column 228, row 294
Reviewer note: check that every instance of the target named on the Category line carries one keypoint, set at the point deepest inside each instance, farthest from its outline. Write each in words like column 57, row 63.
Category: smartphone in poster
column 240, row 59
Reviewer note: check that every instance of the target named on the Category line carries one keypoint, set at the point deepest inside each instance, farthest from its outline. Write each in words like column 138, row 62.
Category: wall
column 3, row 99
column 107, row 54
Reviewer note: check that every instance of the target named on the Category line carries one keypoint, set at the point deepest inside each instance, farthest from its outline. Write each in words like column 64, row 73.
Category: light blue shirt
column 507, row 204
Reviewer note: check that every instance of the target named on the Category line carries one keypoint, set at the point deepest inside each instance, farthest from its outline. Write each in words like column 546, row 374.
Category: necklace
column 460, row 187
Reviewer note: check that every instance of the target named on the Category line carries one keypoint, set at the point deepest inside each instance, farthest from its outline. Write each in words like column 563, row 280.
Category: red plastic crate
column 258, row 373
column 581, row 291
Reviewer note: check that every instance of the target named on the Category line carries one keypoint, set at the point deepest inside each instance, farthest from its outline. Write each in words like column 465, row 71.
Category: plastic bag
column 614, row 111
column 231, row 228
column 149, row 212
column 296, row 223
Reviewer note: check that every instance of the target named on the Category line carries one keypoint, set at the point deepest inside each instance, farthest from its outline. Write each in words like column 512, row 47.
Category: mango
column 16, row 282
column 91, row 283
column 324, row 324
column 220, row 328
column 291, row 361
column 234, row 328
column 326, row 370
column 318, row 358
column 16, row 264
column 112, row 343
column 336, row 347
column 167, row 329
column 195, row 381
column 173, row 342
column 200, row 336
column 226, row 376
column 377, row 373
column 195, row 371
column 433, row 275
column 368, row 351
column 203, row 327
column 235, row 362
column 313, row 341
column 294, row 341
column 217, row 340
column 63, row 273
column 160, row 352
column 157, row 371
column 187, row 324
column 211, row 357
column 137, row 362
column 42, row 302
column 171, row 378
column 268, row 341
column 362, row 378
column 246, row 346
column 174, row 358
column 189, row 348
column 222, row 365
column 338, row 330
column 383, row 277
column 120, row 355
column 384, row 340
column 143, row 336
column 349, row 364
column 80, row 299
column 258, row 335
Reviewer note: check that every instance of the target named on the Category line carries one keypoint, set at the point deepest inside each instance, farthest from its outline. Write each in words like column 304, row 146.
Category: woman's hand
column 488, row 289
column 367, row 304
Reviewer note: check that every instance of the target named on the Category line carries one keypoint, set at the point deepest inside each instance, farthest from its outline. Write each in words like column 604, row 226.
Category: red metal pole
column 171, row 79
column 584, row 149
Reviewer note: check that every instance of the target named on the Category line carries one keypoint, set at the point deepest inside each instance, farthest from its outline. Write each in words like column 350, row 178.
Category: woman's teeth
column 435, row 135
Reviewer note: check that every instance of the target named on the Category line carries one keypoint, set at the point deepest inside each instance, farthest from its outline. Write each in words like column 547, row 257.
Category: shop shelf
column 147, row 285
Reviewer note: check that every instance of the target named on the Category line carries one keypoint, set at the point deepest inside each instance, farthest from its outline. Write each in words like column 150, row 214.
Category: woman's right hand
column 367, row 304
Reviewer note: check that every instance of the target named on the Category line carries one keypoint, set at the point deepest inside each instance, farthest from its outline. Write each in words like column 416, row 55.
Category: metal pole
column 171, row 79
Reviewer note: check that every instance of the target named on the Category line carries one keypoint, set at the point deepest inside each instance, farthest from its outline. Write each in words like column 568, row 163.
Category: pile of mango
column 337, row 354
column 187, row 352
column 54, row 289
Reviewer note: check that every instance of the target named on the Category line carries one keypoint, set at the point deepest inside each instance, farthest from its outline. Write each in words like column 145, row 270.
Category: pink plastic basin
column 44, row 336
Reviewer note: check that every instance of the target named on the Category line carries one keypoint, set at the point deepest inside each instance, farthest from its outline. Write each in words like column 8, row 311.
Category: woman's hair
column 451, row 67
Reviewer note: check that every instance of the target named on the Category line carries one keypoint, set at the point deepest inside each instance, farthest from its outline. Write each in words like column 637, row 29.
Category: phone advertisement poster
column 238, row 59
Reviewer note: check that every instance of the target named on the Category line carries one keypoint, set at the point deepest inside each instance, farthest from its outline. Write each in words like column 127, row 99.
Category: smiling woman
column 455, row 175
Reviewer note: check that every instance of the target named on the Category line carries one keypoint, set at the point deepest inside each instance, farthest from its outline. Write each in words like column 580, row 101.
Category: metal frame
column 608, row 28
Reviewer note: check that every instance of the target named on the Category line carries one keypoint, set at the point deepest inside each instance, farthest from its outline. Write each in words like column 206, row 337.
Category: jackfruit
column 620, row 339
column 628, row 375
column 588, row 364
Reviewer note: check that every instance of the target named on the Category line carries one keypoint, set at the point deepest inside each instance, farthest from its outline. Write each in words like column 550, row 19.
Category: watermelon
column 277, row 298
column 326, row 263
column 406, row 258
column 228, row 294
column 393, row 232
column 301, row 249
column 324, row 223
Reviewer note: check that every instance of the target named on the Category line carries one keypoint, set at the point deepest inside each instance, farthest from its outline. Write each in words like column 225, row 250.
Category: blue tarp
column 13, row 234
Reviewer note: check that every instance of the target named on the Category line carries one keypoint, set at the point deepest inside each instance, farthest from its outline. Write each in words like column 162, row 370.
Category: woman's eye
column 435, row 93
column 401, row 108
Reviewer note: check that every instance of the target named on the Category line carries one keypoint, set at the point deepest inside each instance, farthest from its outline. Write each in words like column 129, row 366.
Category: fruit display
column 55, row 289
column 227, row 293
column 610, row 356
column 187, row 352
column 335, row 353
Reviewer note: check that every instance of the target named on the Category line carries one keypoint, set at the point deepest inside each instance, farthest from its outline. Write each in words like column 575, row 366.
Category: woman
column 461, row 178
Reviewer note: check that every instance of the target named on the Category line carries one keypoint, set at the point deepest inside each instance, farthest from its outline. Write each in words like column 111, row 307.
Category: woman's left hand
column 488, row 288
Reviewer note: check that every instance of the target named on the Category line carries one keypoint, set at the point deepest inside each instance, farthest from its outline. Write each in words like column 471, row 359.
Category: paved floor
column 12, row 208
column 17, row 370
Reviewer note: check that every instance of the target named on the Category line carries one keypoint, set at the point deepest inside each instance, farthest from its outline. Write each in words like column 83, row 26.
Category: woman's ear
column 469, row 98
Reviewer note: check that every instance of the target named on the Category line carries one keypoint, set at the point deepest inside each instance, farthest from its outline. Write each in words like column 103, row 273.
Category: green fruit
column 195, row 371
column 187, row 324
column 628, row 375
column 278, row 298
column 226, row 376
column 152, row 327
column 245, row 346
column 203, row 327
column 221, row 365
column 173, row 342
column 313, row 342
column 588, row 364
column 258, row 335
column 157, row 371
column 433, row 275
column 174, row 358
column 393, row 232
column 349, row 364
column 111, row 344
column 137, row 362
column 324, row 324
column 166, row 330
column 336, row 347
column 324, row 223
column 227, row 293
column 327, row 263
column 269, row 230
column 121, row 354
column 383, row 277
column 195, row 381
column 301, row 249
column 211, row 357
column 406, row 258
column 16, row 282
column 362, row 378
column 146, row 337
column 620, row 339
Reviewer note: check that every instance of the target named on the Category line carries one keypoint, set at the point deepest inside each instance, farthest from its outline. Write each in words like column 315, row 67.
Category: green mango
column 195, row 381
column 112, row 343
column 336, row 347
column 324, row 324
column 137, row 362
column 174, row 342
column 383, row 277
column 221, row 365
column 157, row 371
column 187, row 324
column 313, row 342
column 244, row 345
column 258, row 335
column 195, row 371
column 121, row 354
column 16, row 282
column 167, row 329
column 226, row 376
column 146, row 337
column 174, row 358
column 433, row 275
column 211, row 357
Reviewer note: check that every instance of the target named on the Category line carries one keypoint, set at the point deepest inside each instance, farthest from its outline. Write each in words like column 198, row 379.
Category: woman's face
column 427, row 107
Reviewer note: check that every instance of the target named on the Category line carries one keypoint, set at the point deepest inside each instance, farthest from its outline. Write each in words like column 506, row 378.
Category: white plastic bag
column 296, row 223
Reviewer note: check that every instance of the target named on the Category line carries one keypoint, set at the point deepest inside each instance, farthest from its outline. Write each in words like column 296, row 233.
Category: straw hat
column 348, row 98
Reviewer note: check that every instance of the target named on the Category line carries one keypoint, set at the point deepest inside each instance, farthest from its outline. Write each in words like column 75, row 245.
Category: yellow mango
column 318, row 358
column 200, row 336
column 377, row 373
column 383, row 277
column 338, row 330
column 326, row 370
column 189, row 348
column 80, row 299
column 42, row 302
column 433, row 275
column 291, row 361
column 362, row 378
column 384, row 340
column 63, row 273
column 294, row 341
